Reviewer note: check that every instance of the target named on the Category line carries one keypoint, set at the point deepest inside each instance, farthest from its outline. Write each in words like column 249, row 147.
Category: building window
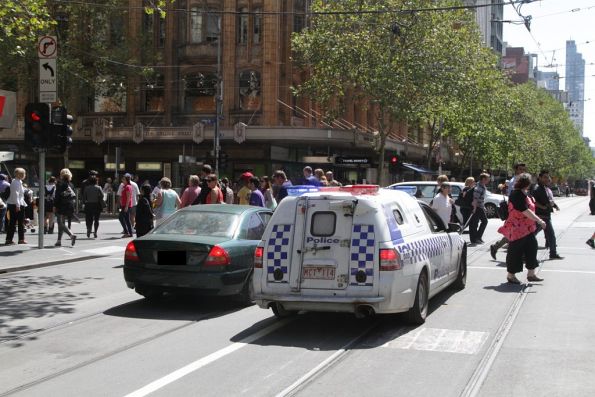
column 249, row 90
column 199, row 92
column 196, row 25
column 243, row 26
column 154, row 94
column 204, row 25
column 110, row 94
column 257, row 30
column 299, row 16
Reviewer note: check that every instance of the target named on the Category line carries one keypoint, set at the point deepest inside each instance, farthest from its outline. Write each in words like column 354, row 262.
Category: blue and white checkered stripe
column 362, row 254
column 277, row 254
column 419, row 250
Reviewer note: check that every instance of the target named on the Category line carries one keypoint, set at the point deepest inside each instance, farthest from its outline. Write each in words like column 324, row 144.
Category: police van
column 358, row 249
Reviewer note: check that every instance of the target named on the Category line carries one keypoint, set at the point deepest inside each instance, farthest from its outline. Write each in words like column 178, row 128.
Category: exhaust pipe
column 364, row 311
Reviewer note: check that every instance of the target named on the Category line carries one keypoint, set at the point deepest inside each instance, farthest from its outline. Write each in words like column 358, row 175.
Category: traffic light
column 394, row 162
column 61, row 131
column 37, row 122
column 222, row 160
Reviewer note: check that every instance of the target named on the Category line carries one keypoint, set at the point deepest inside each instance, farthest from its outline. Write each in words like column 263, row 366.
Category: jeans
column 550, row 235
column 124, row 218
column 2, row 217
column 17, row 219
column 62, row 228
column 476, row 233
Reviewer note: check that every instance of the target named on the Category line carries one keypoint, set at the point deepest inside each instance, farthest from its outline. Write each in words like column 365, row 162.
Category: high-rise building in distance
column 575, row 84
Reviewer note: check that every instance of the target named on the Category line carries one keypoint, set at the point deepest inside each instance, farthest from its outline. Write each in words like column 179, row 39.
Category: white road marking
column 440, row 340
column 503, row 270
column 188, row 369
column 584, row 224
column 106, row 250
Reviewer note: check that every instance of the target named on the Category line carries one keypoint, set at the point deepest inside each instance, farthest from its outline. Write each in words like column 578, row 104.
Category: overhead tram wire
column 309, row 13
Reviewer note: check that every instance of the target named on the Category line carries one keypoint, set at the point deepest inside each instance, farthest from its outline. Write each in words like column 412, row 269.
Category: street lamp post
column 218, row 102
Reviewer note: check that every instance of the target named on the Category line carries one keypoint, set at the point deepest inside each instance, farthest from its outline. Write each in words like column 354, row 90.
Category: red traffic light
column 394, row 159
column 35, row 116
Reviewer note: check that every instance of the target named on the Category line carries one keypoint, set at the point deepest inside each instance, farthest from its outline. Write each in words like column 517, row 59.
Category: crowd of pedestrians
column 142, row 208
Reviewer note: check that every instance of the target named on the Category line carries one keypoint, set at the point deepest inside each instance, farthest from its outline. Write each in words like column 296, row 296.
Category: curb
column 47, row 264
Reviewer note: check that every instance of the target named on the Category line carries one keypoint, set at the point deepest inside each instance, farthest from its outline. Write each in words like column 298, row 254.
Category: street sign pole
column 41, row 196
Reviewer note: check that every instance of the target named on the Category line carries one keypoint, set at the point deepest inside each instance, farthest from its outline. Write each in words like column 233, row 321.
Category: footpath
column 21, row 257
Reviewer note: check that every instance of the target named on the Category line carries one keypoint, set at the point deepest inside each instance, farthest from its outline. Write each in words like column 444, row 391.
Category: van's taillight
column 217, row 257
column 131, row 254
column 389, row 259
column 258, row 254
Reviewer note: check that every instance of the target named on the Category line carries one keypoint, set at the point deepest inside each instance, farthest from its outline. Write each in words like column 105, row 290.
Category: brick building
column 163, row 125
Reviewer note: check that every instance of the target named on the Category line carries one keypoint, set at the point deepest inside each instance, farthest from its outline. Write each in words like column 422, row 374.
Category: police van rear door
column 323, row 236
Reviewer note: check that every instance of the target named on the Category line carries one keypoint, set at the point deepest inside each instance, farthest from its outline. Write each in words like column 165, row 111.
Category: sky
column 571, row 20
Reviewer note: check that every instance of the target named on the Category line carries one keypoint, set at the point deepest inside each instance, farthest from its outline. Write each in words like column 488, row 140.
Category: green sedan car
column 203, row 249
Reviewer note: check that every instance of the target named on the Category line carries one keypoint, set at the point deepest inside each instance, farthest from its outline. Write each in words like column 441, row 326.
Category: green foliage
column 431, row 68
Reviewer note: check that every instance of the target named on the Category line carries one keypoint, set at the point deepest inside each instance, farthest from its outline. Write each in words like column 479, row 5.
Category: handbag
column 503, row 210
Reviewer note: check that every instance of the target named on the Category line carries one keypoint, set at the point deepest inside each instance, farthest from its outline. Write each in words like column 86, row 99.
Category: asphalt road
column 75, row 329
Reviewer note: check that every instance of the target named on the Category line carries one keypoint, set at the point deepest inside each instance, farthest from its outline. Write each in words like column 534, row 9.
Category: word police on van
column 358, row 249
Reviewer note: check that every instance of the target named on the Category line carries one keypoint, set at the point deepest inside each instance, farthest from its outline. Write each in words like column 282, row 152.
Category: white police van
column 356, row 249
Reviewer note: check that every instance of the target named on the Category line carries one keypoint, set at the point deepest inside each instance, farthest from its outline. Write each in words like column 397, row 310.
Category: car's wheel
column 491, row 210
column 150, row 294
column 461, row 280
column 419, row 311
column 280, row 312
column 246, row 295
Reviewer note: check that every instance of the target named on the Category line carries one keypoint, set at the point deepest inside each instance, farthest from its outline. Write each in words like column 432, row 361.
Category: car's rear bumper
column 319, row 303
column 203, row 283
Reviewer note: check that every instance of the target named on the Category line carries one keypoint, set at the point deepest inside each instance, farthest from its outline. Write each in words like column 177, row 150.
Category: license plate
column 319, row 273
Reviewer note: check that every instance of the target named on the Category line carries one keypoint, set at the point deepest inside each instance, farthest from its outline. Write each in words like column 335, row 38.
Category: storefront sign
column 146, row 166
column 353, row 160
column 76, row 164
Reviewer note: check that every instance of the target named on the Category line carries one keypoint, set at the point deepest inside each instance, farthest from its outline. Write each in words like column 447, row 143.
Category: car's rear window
column 194, row 223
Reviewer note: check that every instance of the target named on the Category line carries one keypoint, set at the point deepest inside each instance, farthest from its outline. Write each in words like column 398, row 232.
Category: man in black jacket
column 544, row 206
column 204, row 185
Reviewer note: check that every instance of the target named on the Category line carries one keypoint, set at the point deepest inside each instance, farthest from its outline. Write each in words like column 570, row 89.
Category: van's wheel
column 246, row 295
column 150, row 294
column 417, row 314
column 280, row 312
column 491, row 210
column 461, row 280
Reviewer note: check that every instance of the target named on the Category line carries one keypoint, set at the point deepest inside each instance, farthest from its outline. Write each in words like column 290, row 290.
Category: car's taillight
column 217, row 257
column 131, row 254
column 389, row 259
column 258, row 254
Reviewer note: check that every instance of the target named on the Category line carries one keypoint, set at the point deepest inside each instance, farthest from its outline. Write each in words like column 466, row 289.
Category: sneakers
column 493, row 251
column 591, row 243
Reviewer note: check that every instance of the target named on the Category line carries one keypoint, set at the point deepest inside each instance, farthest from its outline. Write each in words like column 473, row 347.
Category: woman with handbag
column 64, row 205
column 519, row 230
column 94, row 204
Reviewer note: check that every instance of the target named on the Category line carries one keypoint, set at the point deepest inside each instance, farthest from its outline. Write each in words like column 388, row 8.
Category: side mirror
column 454, row 228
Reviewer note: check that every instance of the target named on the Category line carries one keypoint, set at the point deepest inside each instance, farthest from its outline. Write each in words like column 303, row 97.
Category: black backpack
column 5, row 194
column 465, row 200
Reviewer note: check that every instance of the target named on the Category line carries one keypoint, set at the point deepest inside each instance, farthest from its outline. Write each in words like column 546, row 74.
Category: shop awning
column 419, row 169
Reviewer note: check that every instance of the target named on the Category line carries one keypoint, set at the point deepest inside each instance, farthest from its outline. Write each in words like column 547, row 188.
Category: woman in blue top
column 167, row 201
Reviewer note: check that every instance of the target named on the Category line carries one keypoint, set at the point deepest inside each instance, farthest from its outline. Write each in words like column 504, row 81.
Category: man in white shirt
column 16, row 208
column 442, row 203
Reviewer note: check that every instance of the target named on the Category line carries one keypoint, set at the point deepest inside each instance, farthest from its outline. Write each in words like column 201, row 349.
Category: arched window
column 199, row 92
column 243, row 26
column 250, row 90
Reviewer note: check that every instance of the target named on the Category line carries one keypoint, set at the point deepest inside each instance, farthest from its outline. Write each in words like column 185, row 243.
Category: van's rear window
column 323, row 224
